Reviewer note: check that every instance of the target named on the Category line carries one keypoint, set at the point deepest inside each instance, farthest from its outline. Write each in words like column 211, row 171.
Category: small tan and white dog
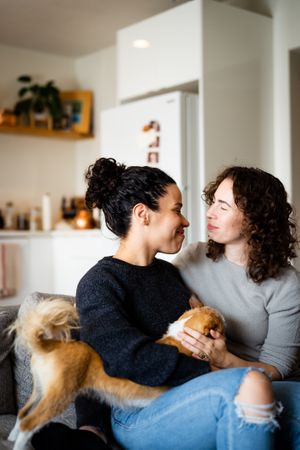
column 62, row 368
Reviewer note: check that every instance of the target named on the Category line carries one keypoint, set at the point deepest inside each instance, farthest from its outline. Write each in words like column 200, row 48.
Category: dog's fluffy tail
column 49, row 320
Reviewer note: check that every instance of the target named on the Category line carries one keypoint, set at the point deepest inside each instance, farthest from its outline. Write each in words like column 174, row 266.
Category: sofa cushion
column 5, row 445
column 23, row 378
column 7, row 397
column 7, row 422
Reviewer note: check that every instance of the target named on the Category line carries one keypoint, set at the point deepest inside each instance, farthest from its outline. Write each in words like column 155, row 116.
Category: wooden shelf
column 43, row 132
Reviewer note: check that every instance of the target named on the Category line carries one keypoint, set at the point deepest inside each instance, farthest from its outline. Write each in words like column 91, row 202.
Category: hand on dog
column 214, row 347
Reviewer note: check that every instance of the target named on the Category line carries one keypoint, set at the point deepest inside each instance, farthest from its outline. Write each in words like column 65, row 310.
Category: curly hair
column 116, row 189
column 269, row 224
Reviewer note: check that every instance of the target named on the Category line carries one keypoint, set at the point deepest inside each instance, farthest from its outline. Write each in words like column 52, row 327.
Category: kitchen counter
column 54, row 233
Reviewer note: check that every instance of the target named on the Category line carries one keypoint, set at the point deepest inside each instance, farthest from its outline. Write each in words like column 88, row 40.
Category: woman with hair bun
column 126, row 302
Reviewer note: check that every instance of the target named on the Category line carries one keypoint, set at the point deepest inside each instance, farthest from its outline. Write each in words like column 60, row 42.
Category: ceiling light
column 141, row 43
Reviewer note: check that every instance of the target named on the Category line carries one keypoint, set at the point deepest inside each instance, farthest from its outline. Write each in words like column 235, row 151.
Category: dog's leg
column 22, row 413
column 47, row 408
column 15, row 431
column 22, row 440
column 33, row 399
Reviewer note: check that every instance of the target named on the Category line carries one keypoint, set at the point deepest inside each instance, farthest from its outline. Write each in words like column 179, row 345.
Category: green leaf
column 23, row 91
column 24, row 79
column 23, row 106
column 39, row 105
column 35, row 88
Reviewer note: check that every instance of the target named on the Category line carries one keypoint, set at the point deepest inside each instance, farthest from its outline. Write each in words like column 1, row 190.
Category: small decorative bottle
column 46, row 213
column 34, row 219
column 9, row 216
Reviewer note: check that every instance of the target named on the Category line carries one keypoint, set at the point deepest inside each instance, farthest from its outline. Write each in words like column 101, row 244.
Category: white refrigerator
column 160, row 131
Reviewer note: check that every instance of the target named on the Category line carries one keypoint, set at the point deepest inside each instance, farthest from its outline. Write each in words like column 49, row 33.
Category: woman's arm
column 218, row 355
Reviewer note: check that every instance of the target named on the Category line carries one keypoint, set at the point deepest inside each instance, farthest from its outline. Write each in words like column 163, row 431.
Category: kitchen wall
column 295, row 129
column 286, row 113
column 286, row 38
column 31, row 166
column 98, row 73
column 237, row 72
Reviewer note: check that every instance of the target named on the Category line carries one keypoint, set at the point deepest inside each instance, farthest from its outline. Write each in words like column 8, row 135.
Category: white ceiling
column 79, row 27
column 72, row 27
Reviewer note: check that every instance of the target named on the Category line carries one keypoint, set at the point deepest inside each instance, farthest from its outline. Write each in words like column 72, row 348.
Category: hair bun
column 103, row 178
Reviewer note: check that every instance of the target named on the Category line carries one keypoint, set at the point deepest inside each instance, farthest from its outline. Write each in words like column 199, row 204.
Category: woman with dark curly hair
column 245, row 272
column 268, row 220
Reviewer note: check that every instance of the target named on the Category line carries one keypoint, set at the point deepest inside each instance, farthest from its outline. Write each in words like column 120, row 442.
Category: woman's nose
column 185, row 222
column 211, row 211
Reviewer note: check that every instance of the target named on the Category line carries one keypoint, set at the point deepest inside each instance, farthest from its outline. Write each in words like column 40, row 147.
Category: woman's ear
column 141, row 213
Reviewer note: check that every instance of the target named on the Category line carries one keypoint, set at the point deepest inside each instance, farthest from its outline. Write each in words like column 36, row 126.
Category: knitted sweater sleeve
column 281, row 347
column 125, row 350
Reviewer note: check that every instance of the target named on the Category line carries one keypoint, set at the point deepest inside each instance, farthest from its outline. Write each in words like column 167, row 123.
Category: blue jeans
column 288, row 393
column 201, row 415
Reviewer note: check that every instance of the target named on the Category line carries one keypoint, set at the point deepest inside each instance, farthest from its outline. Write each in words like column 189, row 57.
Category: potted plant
column 40, row 104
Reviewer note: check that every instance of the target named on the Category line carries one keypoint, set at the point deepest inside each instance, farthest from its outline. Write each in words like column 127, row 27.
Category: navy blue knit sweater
column 124, row 309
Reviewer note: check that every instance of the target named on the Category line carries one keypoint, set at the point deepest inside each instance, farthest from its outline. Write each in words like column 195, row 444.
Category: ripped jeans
column 201, row 414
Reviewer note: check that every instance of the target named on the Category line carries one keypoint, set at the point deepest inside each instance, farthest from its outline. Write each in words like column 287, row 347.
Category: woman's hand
column 211, row 349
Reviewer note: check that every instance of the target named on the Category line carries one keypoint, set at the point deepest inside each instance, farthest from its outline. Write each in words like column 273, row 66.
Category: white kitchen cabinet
column 172, row 59
column 23, row 278
column 39, row 263
column 33, row 262
column 54, row 262
column 73, row 255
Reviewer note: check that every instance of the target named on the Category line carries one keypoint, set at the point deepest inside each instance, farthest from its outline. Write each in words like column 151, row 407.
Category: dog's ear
column 195, row 302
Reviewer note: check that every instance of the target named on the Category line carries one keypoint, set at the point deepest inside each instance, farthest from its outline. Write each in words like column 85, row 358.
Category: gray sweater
column 262, row 320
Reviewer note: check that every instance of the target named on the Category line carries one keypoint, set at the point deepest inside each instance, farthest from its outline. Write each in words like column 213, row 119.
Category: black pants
column 56, row 436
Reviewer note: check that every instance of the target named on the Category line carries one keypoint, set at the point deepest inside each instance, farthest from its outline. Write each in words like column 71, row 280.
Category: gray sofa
column 15, row 377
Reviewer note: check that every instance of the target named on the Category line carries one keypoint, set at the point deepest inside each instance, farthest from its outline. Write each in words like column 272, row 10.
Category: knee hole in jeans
column 255, row 400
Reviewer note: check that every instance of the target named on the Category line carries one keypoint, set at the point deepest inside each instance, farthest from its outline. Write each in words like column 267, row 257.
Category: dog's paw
column 12, row 437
